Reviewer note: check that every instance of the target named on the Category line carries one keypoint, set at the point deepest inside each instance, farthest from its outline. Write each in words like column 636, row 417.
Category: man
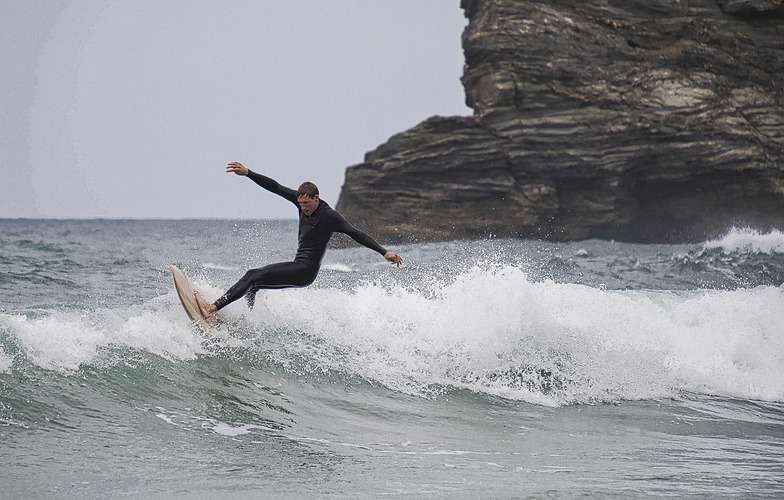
column 317, row 222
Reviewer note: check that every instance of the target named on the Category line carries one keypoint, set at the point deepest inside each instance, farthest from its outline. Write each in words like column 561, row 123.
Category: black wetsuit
column 314, row 234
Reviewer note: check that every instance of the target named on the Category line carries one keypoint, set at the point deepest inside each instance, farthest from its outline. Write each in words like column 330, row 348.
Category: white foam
column 219, row 267
column 342, row 268
column 497, row 332
column 229, row 430
column 56, row 342
column 63, row 341
column 749, row 241
column 5, row 362
column 165, row 418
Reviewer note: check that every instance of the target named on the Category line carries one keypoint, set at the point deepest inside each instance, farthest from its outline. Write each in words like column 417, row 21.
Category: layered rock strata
column 635, row 120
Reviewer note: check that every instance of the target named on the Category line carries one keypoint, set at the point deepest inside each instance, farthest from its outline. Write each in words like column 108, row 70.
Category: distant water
column 493, row 369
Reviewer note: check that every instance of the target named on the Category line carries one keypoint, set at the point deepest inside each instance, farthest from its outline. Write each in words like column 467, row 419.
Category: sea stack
column 642, row 121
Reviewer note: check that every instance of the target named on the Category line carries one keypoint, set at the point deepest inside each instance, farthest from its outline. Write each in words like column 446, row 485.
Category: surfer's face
column 307, row 204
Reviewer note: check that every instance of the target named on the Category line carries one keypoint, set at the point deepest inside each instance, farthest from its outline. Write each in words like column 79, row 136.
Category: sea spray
column 501, row 333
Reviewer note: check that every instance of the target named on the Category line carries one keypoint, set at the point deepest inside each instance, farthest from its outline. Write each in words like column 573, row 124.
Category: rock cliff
column 635, row 120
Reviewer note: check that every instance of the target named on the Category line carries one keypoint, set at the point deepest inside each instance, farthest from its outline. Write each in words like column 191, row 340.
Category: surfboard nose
column 187, row 294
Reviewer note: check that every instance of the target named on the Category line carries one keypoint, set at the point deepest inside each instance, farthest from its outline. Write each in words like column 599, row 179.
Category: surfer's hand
column 393, row 258
column 237, row 168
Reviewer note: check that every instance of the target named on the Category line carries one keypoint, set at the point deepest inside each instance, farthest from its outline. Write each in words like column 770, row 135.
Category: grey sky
column 132, row 108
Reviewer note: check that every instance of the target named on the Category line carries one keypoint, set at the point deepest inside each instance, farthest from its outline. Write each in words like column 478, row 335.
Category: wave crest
column 746, row 240
column 498, row 332
column 490, row 330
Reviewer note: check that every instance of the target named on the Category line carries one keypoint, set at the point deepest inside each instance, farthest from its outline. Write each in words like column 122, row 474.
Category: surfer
column 317, row 222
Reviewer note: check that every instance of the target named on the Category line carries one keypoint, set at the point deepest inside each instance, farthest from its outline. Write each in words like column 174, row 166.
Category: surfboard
column 186, row 290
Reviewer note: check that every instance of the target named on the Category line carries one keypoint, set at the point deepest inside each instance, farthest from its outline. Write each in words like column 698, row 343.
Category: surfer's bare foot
column 206, row 310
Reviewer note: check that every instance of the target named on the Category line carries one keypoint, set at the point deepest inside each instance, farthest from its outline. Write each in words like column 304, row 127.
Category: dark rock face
column 635, row 120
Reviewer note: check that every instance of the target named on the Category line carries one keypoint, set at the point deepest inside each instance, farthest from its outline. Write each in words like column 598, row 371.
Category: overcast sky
column 132, row 108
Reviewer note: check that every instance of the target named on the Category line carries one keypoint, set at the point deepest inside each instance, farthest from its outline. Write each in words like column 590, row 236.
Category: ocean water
column 492, row 369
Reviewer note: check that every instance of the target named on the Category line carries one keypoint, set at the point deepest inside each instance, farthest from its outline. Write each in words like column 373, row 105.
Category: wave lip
column 65, row 341
column 499, row 333
column 746, row 240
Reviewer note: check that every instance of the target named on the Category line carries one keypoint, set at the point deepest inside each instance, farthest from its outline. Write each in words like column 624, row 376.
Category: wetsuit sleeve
column 340, row 225
column 272, row 186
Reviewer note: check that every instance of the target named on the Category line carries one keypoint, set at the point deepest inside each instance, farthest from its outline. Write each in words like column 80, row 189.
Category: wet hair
column 307, row 189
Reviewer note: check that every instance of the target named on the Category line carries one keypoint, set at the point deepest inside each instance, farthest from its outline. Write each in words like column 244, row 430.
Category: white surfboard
column 186, row 292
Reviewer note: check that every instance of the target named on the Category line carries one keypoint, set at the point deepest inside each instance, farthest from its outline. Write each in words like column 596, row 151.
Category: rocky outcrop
column 636, row 120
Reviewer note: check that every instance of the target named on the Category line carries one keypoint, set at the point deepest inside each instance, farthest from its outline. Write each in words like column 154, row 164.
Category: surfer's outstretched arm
column 343, row 226
column 267, row 183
